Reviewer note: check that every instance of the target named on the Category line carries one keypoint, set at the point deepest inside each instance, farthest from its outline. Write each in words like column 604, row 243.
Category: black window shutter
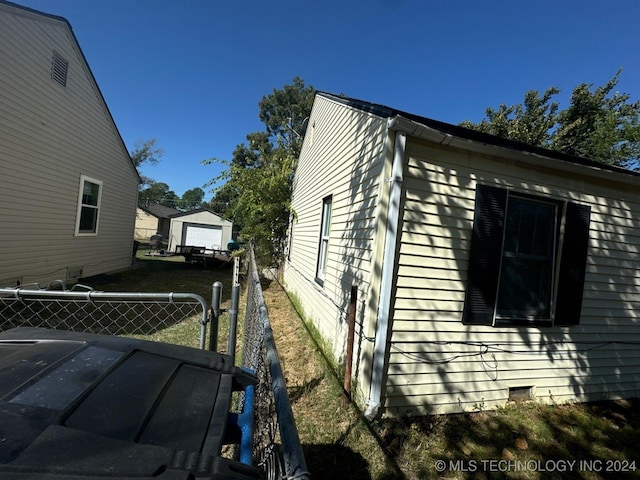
column 485, row 255
column 573, row 264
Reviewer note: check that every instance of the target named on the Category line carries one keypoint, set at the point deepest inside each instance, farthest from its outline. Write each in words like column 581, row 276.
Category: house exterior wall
column 436, row 360
column 437, row 364
column 344, row 156
column 146, row 225
column 198, row 218
column 50, row 136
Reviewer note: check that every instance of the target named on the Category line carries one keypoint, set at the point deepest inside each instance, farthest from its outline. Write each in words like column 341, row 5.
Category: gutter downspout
column 386, row 287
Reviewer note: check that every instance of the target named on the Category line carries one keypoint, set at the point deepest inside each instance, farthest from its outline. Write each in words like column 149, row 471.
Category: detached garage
column 199, row 228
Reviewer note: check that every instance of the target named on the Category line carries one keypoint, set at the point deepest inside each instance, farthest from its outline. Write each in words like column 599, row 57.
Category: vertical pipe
column 216, row 298
column 386, row 287
column 351, row 321
column 233, row 322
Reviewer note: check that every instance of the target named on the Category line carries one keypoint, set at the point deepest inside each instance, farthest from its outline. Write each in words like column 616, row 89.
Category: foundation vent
column 521, row 394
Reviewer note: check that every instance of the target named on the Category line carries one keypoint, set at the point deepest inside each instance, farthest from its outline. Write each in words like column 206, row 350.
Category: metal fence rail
column 83, row 309
column 277, row 445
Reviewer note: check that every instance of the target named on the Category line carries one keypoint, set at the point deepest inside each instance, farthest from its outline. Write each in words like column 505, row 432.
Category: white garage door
column 210, row 238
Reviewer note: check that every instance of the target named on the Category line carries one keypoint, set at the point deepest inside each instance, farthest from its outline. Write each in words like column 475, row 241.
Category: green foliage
column 258, row 201
column 223, row 199
column 158, row 192
column 529, row 123
column 599, row 124
column 146, row 151
column 191, row 199
column 285, row 113
column 256, row 194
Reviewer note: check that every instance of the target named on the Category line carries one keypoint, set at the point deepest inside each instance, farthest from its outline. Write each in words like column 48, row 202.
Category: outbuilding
column 153, row 219
column 199, row 228
column 448, row 270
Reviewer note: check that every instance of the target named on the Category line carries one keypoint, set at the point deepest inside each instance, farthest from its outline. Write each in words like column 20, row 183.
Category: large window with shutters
column 527, row 260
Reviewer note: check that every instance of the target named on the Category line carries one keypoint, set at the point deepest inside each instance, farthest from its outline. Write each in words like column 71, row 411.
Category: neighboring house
column 68, row 187
column 480, row 270
column 153, row 219
column 200, row 228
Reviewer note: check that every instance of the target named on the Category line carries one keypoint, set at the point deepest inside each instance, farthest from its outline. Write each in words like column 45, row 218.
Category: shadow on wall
column 593, row 365
column 358, row 233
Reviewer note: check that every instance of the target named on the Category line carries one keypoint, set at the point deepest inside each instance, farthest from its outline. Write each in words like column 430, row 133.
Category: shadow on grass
column 333, row 462
column 599, row 437
column 297, row 392
column 166, row 274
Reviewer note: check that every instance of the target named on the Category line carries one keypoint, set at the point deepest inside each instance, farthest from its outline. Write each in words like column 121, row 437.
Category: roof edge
column 474, row 135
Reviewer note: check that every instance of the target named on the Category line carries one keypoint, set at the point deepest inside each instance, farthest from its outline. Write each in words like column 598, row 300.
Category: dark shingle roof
column 160, row 211
column 473, row 135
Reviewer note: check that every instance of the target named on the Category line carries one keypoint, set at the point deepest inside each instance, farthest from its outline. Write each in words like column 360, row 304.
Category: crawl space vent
column 520, row 394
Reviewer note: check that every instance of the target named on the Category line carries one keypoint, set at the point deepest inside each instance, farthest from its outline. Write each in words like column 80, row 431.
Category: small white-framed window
column 89, row 199
column 323, row 249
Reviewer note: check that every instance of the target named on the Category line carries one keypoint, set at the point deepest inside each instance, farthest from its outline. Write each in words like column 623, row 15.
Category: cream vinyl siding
column 146, row 225
column 342, row 156
column 50, row 136
column 439, row 365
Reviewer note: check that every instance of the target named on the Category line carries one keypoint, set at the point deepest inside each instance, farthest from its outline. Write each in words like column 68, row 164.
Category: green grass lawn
column 156, row 274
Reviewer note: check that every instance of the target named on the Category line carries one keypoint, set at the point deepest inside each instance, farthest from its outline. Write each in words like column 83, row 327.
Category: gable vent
column 59, row 67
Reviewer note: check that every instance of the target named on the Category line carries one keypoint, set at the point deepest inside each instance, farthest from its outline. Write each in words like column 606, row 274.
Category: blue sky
column 191, row 72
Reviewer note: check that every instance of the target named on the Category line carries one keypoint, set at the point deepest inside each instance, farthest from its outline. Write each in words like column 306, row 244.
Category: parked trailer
column 203, row 255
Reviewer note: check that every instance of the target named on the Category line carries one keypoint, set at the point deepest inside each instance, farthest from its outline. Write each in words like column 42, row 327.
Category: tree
column 191, row 199
column 146, row 151
column 221, row 201
column 530, row 122
column 256, row 194
column 285, row 114
column 158, row 192
column 598, row 124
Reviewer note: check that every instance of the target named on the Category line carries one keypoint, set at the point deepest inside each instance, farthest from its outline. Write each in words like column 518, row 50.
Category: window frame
column 82, row 206
column 485, row 260
column 503, row 318
column 323, row 242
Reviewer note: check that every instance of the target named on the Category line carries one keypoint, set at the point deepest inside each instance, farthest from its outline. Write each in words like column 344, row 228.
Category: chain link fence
column 83, row 309
column 276, row 445
column 277, row 448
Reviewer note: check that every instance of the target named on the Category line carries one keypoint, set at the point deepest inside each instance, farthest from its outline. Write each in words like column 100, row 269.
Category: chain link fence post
column 216, row 298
